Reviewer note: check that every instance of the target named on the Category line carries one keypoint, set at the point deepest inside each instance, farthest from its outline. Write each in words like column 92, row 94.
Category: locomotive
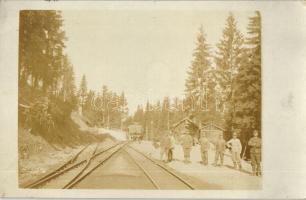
column 135, row 132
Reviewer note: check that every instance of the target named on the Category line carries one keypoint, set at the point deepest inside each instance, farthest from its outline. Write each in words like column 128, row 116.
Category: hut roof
column 211, row 124
column 203, row 124
column 182, row 121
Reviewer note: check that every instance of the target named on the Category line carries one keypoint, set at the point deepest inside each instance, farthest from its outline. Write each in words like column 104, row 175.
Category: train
column 135, row 132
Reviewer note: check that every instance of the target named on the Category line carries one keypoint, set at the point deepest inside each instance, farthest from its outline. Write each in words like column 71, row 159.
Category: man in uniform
column 162, row 147
column 236, row 148
column 187, row 143
column 220, row 148
column 165, row 146
column 171, row 147
column 255, row 151
column 204, row 143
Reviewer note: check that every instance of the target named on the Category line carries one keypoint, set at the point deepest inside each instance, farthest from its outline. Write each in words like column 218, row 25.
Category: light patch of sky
column 144, row 53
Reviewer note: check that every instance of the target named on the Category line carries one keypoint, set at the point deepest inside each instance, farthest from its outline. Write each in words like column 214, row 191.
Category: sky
column 146, row 54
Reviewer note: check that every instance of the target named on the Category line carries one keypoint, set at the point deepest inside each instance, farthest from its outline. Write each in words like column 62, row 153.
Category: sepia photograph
column 153, row 99
column 143, row 100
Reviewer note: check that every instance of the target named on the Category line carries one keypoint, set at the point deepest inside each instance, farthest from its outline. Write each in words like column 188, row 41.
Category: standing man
column 236, row 148
column 165, row 146
column 255, row 151
column 162, row 147
column 204, row 143
column 171, row 148
column 220, row 148
column 187, row 143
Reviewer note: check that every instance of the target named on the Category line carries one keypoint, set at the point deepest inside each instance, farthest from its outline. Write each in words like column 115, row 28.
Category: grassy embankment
column 45, row 123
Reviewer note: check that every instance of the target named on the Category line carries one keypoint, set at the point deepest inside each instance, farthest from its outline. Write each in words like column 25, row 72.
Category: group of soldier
column 234, row 144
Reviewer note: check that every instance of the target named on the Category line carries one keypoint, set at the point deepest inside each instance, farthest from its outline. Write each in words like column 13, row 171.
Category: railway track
column 137, row 172
column 70, row 170
column 95, row 163
column 55, row 172
column 91, row 172
column 160, row 176
column 147, row 174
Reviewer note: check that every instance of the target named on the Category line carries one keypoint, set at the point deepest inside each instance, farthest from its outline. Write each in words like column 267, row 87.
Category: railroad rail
column 80, row 173
column 67, row 177
column 166, row 169
column 144, row 171
column 97, row 165
column 157, row 182
column 55, row 172
column 68, row 166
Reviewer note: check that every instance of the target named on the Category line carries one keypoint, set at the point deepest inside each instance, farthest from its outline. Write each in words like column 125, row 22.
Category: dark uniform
column 220, row 148
column 255, row 151
column 204, row 143
column 171, row 148
column 164, row 146
column 187, row 143
column 236, row 148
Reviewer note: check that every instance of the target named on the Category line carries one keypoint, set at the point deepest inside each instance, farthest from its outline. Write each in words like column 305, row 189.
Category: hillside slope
column 37, row 154
column 83, row 122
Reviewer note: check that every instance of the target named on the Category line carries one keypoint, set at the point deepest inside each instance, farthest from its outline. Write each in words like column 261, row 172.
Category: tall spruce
column 147, row 119
column 82, row 94
column 68, row 85
column 45, row 76
column 196, row 80
column 228, row 61
column 248, row 83
column 123, row 104
column 165, row 114
column 41, row 50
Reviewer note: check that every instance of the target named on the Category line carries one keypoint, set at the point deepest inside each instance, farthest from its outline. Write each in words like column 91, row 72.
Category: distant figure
column 155, row 143
column 139, row 138
column 164, row 146
column 220, row 148
column 171, row 148
column 255, row 151
column 236, row 148
column 187, row 143
column 204, row 143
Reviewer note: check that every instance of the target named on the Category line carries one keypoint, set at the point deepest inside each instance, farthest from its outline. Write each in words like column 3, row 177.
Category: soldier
column 220, row 148
column 236, row 148
column 164, row 146
column 171, row 148
column 255, row 151
column 204, row 143
column 187, row 143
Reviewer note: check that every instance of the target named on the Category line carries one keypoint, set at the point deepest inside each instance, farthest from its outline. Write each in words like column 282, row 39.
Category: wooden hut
column 185, row 125
column 212, row 130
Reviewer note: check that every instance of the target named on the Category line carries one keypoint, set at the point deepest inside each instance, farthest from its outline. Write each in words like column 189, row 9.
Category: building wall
column 212, row 134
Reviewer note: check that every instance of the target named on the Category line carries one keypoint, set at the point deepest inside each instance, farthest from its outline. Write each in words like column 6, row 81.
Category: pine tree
column 248, row 88
column 197, row 81
column 156, row 118
column 177, row 110
column 165, row 114
column 82, row 94
column 68, row 84
column 90, row 96
column 138, row 116
column 123, row 109
column 41, row 49
column 106, row 98
column 123, row 104
column 147, row 120
column 228, row 61
column 45, row 76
